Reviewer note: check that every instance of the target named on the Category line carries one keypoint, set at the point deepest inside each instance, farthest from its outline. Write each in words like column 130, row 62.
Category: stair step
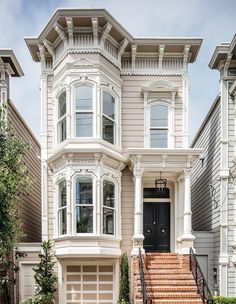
column 169, row 289
column 168, row 282
column 189, row 301
column 171, row 295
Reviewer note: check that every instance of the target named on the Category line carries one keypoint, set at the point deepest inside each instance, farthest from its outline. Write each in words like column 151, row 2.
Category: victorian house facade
column 213, row 179
column 114, row 119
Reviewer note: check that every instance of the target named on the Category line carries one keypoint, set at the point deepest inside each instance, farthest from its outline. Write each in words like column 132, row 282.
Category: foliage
column 39, row 299
column 224, row 300
column 124, row 280
column 14, row 185
column 45, row 278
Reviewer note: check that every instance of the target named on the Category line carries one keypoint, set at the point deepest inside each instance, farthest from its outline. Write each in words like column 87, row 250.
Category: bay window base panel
column 78, row 251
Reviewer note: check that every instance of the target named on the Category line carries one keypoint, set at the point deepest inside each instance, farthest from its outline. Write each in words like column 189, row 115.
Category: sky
column 212, row 20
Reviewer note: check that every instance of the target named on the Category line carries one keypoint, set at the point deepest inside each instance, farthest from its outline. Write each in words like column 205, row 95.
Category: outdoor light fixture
column 160, row 183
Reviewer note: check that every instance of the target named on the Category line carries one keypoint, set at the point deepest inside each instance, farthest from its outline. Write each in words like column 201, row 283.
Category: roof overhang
column 172, row 45
column 8, row 57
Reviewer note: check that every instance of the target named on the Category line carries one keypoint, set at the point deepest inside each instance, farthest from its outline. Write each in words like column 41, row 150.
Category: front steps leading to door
column 168, row 279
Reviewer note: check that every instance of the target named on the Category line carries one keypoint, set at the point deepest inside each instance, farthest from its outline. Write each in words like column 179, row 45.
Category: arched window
column 108, row 118
column 62, row 208
column 84, row 111
column 108, row 207
column 84, row 205
column 61, row 125
column 159, row 126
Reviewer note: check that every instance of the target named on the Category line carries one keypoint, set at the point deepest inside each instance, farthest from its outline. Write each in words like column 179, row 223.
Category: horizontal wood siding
column 132, row 110
column 205, row 207
column 127, row 211
column 30, row 206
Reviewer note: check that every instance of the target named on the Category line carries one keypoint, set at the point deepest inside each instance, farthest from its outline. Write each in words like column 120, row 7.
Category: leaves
column 124, row 279
column 14, row 185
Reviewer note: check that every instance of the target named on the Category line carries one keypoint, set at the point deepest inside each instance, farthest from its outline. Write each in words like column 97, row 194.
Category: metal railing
column 142, row 279
column 202, row 286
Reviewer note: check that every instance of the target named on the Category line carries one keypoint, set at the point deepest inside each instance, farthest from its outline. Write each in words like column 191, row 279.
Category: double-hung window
column 61, row 125
column 84, row 205
column 84, row 111
column 159, row 126
column 62, row 208
column 108, row 118
column 108, row 207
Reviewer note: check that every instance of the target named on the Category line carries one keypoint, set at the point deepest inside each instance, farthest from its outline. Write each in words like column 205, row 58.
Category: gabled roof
column 8, row 57
column 82, row 18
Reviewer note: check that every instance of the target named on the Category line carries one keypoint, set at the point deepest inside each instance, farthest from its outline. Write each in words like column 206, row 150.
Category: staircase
column 168, row 280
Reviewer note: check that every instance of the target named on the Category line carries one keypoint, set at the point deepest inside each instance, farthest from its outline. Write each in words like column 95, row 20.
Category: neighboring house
column 213, row 186
column 114, row 120
column 30, row 206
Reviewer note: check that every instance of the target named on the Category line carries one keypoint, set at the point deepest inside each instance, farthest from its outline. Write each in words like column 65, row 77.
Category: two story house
column 213, row 179
column 116, row 165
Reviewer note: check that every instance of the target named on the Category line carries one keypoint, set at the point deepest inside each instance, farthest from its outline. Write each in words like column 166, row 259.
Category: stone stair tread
column 159, row 301
column 171, row 295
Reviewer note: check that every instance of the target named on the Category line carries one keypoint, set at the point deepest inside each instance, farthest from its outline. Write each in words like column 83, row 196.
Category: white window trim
column 94, row 205
column 58, row 120
column 61, row 208
column 116, row 207
column 93, row 111
column 116, row 119
column 147, row 138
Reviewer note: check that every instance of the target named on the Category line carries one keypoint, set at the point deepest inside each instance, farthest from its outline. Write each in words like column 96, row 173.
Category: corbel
column 42, row 55
column 95, row 30
column 186, row 56
column 227, row 64
column 134, row 52
column 50, row 48
column 161, row 55
column 69, row 22
column 122, row 47
column 106, row 31
column 61, row 32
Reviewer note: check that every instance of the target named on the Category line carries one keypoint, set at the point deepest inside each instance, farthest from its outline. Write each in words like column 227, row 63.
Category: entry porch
column 162, row 214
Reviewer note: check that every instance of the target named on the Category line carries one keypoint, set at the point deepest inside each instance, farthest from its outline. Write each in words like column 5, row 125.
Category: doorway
column 156, row 226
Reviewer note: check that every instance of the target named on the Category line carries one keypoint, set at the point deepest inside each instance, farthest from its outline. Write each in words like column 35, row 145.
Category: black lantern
column 160, row 183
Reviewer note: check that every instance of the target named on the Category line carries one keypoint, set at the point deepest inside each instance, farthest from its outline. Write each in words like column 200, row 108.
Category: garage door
column 27, row 281
column 89, row 284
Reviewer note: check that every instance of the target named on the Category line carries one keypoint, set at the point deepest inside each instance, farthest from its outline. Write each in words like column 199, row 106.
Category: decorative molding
column 95, row 30
column 106, row 31
column 69, row 22
column 61, row 32
column 161, row 55
column 50, row 48
column 134, row 52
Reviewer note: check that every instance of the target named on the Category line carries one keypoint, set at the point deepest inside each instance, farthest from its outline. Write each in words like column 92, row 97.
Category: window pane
column 108, row 221
column 62, row 221
column 158, row 138
column 62, row 194
column 84, row 190
column 108, row 130
column 108, row 194
column 84, row 98
column 108, row 105
column 62, row 105
column 84, row 125
column 84, row 219
column 159, row 116
column 62, row 130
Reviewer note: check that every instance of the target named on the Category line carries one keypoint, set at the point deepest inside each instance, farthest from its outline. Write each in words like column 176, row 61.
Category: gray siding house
column 212, row 183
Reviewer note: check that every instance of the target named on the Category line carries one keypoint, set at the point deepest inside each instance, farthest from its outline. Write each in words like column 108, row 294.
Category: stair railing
column 142, row 279
column 202, row 286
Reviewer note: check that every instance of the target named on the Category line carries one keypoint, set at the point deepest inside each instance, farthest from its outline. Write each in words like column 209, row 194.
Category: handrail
column 142, row 279
column 202, row 286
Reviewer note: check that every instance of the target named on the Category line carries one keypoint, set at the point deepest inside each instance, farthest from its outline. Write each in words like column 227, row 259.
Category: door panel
column 157, row 227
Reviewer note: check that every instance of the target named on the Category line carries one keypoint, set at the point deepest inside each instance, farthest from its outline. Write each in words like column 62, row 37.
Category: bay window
column 84, row 205
column 84, row 111
column 108, row 118
column 62, row 208
column 159, row 126
column 61, row 125
column 108, row 207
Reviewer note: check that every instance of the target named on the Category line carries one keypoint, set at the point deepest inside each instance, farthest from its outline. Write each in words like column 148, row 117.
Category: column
column 138, row 212
column 187, row 237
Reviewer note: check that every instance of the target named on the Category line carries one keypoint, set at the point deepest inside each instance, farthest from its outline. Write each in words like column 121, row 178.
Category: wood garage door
column 90, row 284
column 27, row 281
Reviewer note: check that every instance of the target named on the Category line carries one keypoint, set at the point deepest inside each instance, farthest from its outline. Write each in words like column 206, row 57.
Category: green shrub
column 224, row 300
column 39, row 299
column 124, row 280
